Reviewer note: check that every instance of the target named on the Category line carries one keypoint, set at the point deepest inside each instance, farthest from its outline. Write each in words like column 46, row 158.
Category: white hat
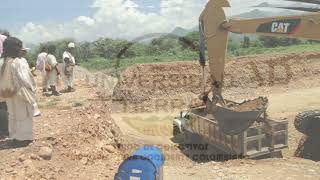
column 25, row 49
column 71, row 45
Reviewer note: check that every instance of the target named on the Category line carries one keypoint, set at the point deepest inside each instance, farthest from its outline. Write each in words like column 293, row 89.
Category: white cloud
column 124, row 19
column 118, row 19
column 86, row 20
column 35, row 33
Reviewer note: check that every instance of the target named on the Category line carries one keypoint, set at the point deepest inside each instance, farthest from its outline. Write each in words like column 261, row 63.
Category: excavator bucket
column 236, row 118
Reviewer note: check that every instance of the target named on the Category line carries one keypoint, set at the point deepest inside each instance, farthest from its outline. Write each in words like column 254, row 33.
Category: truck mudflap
column 235, row 118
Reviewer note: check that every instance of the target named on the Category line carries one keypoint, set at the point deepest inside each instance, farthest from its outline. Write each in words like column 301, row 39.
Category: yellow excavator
column 215, row 28
column 236, row 127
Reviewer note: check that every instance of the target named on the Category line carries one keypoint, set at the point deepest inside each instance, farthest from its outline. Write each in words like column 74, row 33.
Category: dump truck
column 239, row 128
column 263, row 137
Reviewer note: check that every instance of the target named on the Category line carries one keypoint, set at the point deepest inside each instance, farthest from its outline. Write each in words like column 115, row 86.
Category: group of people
column 18, row 87
column 48, row 66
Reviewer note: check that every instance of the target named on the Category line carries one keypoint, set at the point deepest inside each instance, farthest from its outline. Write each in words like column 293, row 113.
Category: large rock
column 110, row 149
column 45, row 153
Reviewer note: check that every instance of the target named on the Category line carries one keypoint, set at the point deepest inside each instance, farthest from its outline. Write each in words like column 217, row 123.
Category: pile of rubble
column 90, row 149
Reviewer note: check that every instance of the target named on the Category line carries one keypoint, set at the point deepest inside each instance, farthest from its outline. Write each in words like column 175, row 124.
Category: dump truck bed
column 257, row 140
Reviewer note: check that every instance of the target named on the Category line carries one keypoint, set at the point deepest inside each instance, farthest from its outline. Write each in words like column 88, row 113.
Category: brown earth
column 290, row 82
column 84, row 139
column 78, row 129
column 148, row 87
column 258, row 103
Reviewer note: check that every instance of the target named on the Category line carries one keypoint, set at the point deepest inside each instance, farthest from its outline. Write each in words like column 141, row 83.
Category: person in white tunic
column 40, row 66
column 68, row 64
column 18, row 88
column 23, row 54
column 52, row 70
column 2, row 39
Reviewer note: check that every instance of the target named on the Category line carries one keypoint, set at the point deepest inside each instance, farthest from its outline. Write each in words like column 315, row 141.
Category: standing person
column 52, row 71
column 2, row 39
column 68, row 64
column 3, row 106
column 18, row 88
column 40, row 65
column 23, row 54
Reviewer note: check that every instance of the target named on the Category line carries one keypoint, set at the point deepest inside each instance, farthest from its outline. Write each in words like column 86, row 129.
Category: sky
column 36, row 21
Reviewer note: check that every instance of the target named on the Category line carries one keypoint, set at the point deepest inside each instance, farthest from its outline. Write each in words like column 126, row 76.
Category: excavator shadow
column 6, row 144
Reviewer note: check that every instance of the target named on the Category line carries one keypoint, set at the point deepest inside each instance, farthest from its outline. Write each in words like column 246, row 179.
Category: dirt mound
column 256, row 71
column 142, row 82
column 259, row 103
column 95, row 136
column 84, row 143
column 152, row 82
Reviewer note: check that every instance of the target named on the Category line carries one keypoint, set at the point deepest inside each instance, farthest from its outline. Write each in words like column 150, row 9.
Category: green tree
column 245, row 42
column 165, row 43
column 4, row 31
column 270, row 42
column 233, row 47
column 191, row 41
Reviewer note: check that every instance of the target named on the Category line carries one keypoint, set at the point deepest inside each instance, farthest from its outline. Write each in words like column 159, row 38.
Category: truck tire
column 308, row 122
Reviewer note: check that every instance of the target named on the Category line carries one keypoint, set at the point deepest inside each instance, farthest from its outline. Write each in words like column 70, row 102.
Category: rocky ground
column 83, row 135
column 75, row 138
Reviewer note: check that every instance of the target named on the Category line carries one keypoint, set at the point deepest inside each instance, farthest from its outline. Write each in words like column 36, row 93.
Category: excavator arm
column 304, row 26
column 215, row 28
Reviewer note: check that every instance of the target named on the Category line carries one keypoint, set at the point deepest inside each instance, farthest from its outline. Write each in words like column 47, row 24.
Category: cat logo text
column 280, row 27
column 284, row 26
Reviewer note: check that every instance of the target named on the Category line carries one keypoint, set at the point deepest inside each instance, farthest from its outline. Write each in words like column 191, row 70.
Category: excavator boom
column 304, row 26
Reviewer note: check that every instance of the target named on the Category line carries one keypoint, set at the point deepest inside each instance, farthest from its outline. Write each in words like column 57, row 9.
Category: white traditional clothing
column 2, row 39
column 52, row 75
column 21, row 105
column 1, row 98
column 68, row 69
column 41, row 61
column 36, row 111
